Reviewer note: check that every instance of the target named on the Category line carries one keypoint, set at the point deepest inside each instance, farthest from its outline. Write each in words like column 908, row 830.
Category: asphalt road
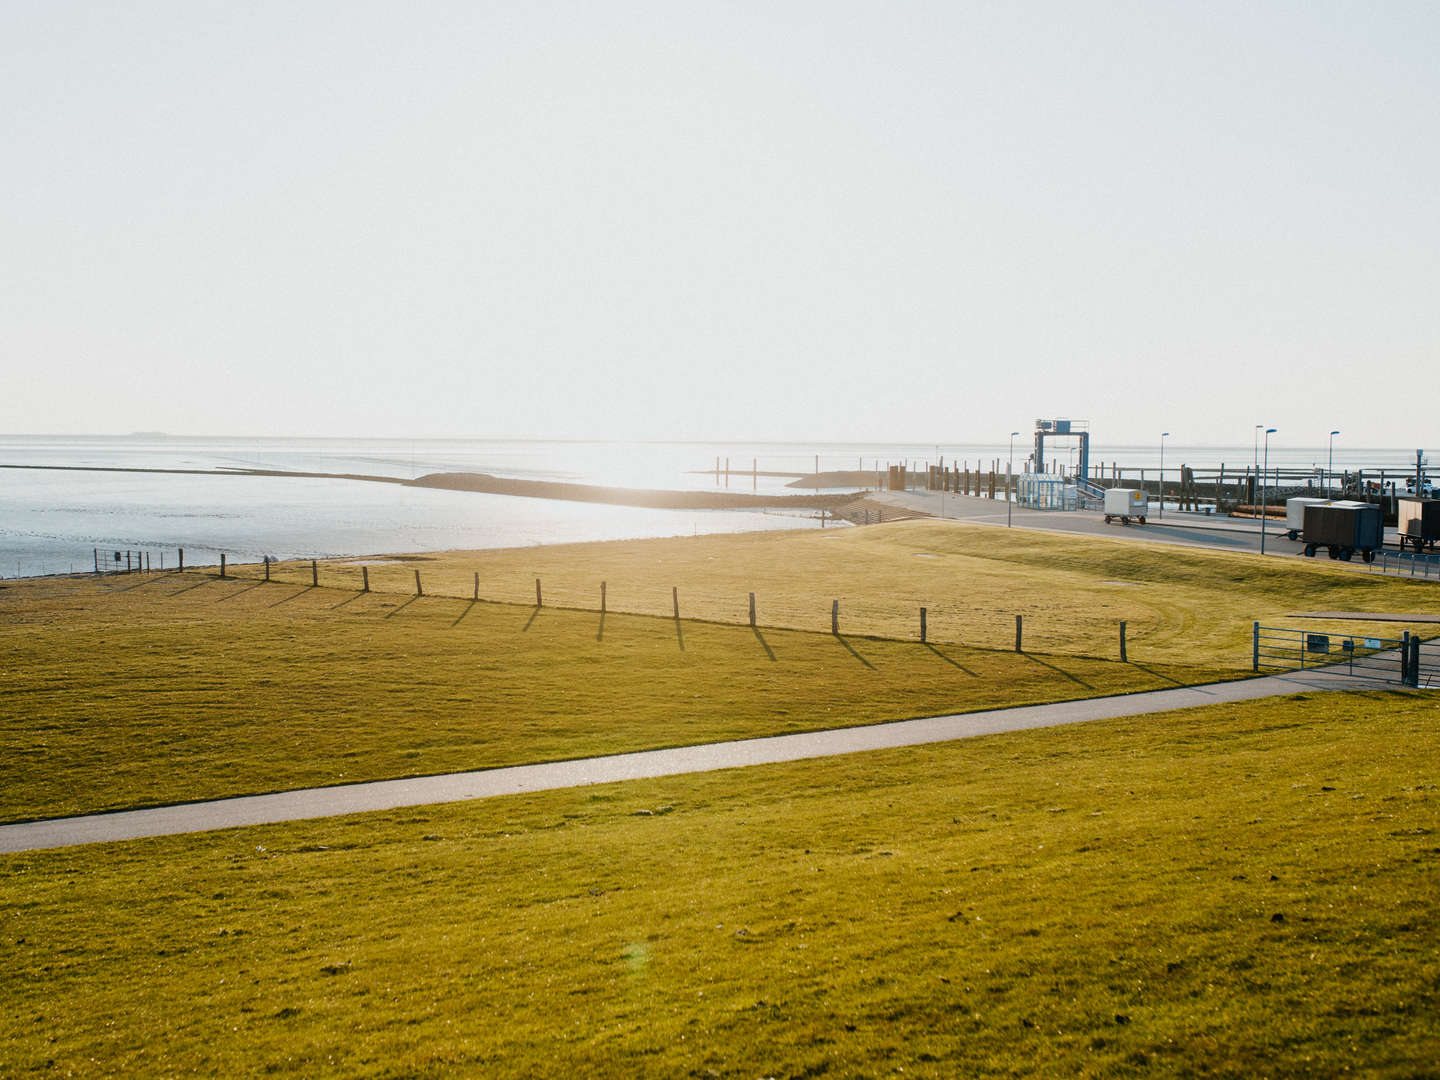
column 1201, row 530
column 391, row 794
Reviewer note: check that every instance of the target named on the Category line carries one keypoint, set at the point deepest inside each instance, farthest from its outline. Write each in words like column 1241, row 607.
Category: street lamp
column 1332, row 462
column 1163, row 434
column 1255, row 472
column 1264, row 498
column 1010, row 482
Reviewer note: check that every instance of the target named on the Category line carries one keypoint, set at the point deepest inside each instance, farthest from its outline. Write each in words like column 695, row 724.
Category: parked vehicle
column 1418, row 521
column 1295, row 514
column 1125, row 503
column 1344, row 529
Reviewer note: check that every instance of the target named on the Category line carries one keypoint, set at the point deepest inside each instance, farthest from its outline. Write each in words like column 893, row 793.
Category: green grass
column 1237, row 891
column 128, row 692
column 1182, row 604
column 142, row 690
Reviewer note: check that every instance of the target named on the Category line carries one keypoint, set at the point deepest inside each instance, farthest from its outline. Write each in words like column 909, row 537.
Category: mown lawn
column 139, row 691
column 1237, row 891
column 1182, row 604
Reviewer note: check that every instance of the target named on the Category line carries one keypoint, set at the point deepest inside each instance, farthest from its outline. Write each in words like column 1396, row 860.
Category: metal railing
column 1091, row 494
column 1408, row 564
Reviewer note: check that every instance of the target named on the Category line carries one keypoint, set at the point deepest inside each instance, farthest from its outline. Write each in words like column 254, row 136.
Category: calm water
column 53, row 521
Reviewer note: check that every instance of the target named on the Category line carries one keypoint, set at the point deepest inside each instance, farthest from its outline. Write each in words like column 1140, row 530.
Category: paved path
column 453, row 787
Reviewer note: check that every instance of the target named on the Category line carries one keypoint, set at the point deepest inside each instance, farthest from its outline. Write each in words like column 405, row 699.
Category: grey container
column 1352, row 526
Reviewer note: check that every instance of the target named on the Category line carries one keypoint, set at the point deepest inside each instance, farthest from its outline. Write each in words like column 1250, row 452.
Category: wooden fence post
column 835, row 617
column 97, row 560
column 418, row 591
column 538, row 602
column 1123, row 658
column 922, row 626
column 675, row 596
column 182, row 560
column 476, row 594
column 752, row 609
column 267, row 567
column 222, row 564
column 314, row 574
column 364, row 579
column 602, row 598
column 1019, row 631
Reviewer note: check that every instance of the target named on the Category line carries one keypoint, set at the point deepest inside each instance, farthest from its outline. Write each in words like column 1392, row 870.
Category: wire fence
column 1027, row 627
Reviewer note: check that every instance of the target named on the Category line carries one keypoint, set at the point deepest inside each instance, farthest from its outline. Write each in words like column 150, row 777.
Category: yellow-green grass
column 1239, row 891
column 1182, row 604
column 125, row 692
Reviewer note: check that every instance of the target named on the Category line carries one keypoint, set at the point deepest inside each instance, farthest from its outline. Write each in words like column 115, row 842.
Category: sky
column 840, row 221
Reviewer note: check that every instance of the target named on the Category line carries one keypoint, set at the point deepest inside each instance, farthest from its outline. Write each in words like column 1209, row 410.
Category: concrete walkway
column 453, row 787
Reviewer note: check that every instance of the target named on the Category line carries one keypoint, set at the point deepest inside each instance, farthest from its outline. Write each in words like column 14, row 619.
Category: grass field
column 135, row 691
column 1182, row 604
column 1240, row 891
column 147, row 689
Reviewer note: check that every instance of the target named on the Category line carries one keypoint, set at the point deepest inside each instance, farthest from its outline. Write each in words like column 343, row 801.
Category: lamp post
column 1264, row 497
column 1332, row 462
column 1010, row 482
column 1255, row 472
column 1163, row 434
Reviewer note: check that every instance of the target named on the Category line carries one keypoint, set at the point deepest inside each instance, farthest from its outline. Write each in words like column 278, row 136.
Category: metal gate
column 1405, row 660
column 1426, row 674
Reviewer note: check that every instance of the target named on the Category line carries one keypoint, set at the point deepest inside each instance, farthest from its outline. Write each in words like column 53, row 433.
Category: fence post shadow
column 1153, row 673
column 763, row 643
column 465, row 611
column 531, row 619
column 1073, row 678
column 951, row 660
column 396, row 611
column 851, row 650
column 237, row 592
column 187, row 588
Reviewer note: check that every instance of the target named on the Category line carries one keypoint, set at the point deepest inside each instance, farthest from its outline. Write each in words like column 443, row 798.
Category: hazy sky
column 752, row 221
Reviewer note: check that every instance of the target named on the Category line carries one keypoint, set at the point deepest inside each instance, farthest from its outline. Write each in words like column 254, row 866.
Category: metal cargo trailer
column 1419, row 523
column 1343, row 529
column 1125, row 503
column 1295, row 514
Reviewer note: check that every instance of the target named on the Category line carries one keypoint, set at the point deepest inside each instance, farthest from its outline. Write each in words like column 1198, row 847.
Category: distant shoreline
column 484, row 483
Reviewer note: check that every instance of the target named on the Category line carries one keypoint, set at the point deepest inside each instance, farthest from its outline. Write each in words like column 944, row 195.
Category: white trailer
column 1125, row 503
column 1295, row 514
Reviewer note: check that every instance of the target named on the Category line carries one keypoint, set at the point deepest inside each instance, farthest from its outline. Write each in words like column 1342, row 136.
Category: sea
column 65, row 520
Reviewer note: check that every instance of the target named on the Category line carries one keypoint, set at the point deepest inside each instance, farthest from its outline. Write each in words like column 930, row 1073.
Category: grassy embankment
column 1237, row 891
column 145, row 690
column 1182, row 604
